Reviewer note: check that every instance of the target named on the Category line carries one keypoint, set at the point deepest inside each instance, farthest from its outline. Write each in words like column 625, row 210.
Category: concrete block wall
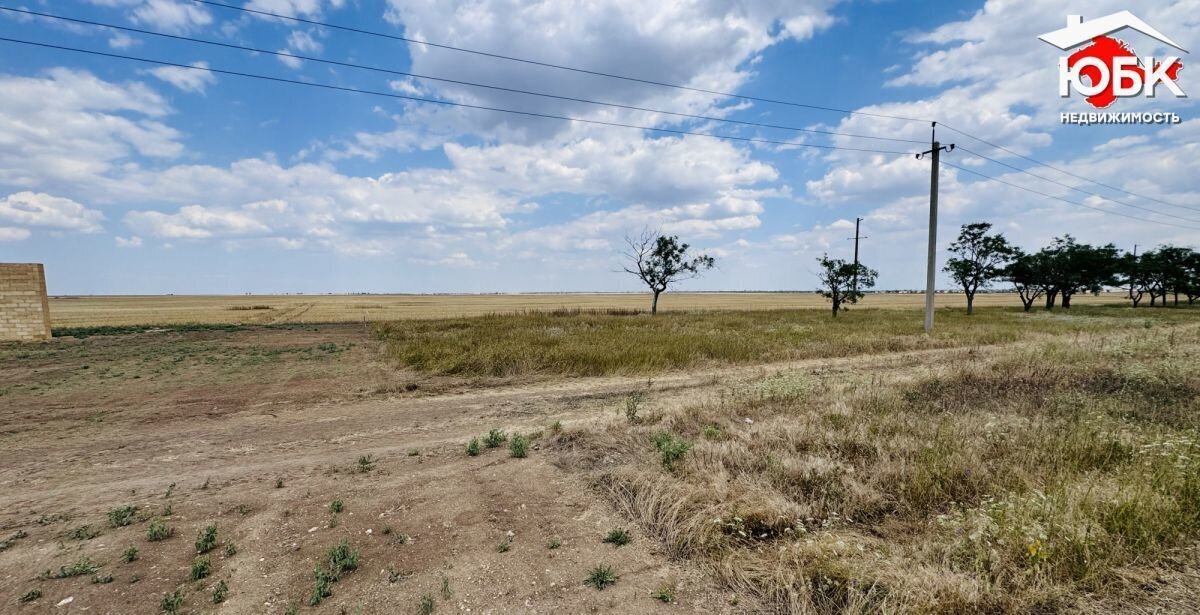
column 24, row 307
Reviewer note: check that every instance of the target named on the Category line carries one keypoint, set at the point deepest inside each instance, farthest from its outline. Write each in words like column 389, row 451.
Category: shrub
column 230, row 549
column 31, row 595
column 159, row 531
column 633, row 403
column 201, row 568
column 206, row 540
column 425, row 606
column 473, row 447
column 335, row 506
column 123, row 516
column 366, row 463
column 83, row 566
column 518, row 447
column 171, row 602
column 494, row 438
column 670, row 447
column 220, row 592
column 130, row 553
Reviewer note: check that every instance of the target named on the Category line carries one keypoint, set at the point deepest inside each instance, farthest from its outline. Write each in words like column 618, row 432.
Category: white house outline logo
column 1108, row 69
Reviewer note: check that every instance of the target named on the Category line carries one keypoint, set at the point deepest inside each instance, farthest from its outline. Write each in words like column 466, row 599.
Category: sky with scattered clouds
column 132, row 177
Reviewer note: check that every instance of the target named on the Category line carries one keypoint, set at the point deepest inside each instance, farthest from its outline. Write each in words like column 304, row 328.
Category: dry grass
column 93, row 311
column 584, row 344
column 1032, row 478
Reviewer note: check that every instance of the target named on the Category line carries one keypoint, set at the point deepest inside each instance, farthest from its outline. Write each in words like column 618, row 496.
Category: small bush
column 366, row 463
column 201, row 568
column 425, row 606
column 503, row 547
column 339, row 559
column 230, row 549
column 123, row 516
column 159, row 531
column 518, row 447
column 553, row 544
column 83, row 532
column 335, row 506
column 82, row 567
column 220, row 592
column 664, row 594
column 712, row 432
column 31, row 595
column 633, row 403
column 445, row 588
column 618, row 537
column 601, row 577
column 130, row 553
column 207, row 539
column 473, row 447
column 671, row 447
column 494, row 438
column 279, row 483
column 101, row 579
column 171, row 602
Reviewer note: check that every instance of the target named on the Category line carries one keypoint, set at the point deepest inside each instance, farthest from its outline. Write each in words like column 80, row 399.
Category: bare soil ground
column 95, row 424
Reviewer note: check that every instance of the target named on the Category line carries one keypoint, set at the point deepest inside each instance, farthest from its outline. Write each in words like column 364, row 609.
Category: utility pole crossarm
column 931, row 269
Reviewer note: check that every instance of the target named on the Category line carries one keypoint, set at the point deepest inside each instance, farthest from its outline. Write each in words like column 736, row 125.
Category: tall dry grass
column 580, row 343
column 1027, row 479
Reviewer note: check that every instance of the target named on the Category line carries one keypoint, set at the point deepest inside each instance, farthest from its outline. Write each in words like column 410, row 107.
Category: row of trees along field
column 981, row 259
column 1066, row 267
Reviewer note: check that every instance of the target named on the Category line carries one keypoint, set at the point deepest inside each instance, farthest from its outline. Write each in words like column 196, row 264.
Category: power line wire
column 450, row 103
column 1063, row 171
column 1080, row 190
column 1058, row 198
column 406, row 39
column 284, row 54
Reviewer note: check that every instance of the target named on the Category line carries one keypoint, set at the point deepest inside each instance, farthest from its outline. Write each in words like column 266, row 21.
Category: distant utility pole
column 856, row 237
column 935, row 149
column 1132, row 282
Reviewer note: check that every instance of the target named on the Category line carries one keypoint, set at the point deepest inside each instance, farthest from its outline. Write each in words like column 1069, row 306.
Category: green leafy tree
column 660, row 261
column 842, row 283
column 1027, row 274
column 1070, row 267
column 979, row 259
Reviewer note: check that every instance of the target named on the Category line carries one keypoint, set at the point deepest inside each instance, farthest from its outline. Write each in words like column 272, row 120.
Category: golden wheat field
column 113, row 310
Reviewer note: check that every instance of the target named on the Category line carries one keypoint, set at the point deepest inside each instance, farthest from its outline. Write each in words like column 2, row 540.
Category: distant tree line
column 981, row 258
column 1056, row 273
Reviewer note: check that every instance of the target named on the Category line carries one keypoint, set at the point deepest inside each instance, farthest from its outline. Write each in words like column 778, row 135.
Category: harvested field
column 1012, row 463
column 94, row 311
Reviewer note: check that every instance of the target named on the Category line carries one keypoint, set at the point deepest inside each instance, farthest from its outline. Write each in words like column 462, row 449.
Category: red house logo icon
column 1108, row 68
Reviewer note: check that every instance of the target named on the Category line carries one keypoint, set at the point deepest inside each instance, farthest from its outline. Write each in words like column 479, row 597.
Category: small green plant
column 201, row 568
column 556, row 427
column 618, row 537
column 171, row 602
column 445, row 587
column 425, row 606
column 633, row 403
column 387, row 530
column 518, row 447
column 553, row 544
column 322, row 586
column 341, row 558
column 601, row 577
column 712, row 432
column 671, row 447
column 31, row 595
column 503, row 547
column 333, row 522
column 291, row 610
column 494, row 438
column 664, row 594
column 220, row 592
column 159, row 531
column 82, row 567
column 129, row 554
column 279, row 483
column 366, row 463
column 12, row 540
column 336, row 506
column 230, row 549
column 206, row 540
column 393, row 575
column 473, row 447
column 101, row 579
column 170, row 490
column 123, row 516
column 168, row 510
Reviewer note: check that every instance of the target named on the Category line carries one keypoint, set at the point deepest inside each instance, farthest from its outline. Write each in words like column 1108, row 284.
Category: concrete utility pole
column 856, row 237
column 931, row 271
column 1132, row 283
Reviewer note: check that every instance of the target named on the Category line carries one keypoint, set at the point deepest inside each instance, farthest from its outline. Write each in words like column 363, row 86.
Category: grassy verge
column 588, row 344
column 1028, row 481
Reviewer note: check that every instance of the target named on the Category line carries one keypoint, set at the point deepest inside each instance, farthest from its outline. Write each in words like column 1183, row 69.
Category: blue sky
column 126, row 177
